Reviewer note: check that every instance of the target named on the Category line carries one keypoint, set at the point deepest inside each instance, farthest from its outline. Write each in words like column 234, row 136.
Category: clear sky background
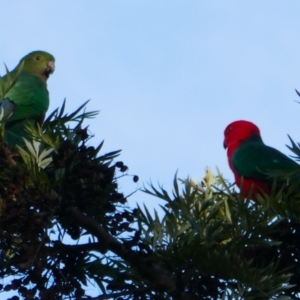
column 167, row 76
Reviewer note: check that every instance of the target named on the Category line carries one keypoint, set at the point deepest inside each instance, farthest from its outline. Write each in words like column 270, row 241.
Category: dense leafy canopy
column 66, row 228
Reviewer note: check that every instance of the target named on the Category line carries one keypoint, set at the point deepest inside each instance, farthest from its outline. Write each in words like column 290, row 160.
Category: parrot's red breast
column 237, row 134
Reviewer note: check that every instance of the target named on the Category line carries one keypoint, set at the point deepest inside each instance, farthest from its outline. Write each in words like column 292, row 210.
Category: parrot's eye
column 228, row 129
column 38, row 57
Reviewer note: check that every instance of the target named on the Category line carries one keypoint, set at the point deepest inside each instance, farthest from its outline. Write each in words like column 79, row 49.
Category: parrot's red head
column 236, row 134
column 239, row 131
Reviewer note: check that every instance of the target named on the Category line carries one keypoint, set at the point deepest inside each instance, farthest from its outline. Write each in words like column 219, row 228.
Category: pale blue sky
column 168, row 76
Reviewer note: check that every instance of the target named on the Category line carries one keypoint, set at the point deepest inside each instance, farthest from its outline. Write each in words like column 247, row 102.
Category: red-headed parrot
column 250, row 159
column 28, row 99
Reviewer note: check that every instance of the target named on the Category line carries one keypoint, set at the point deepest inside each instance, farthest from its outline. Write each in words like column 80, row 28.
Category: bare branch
column 154, row 274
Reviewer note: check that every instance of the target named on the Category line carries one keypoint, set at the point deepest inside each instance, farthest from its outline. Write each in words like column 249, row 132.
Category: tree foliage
column 218, row 246
column 66, row 227
column 46, row 188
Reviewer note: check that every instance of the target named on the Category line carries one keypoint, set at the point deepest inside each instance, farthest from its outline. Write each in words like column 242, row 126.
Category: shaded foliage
column 65, row 226
column 215, row 245
column 38, row 184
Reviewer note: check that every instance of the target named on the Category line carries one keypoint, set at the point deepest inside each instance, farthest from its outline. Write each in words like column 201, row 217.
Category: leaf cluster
column 44, row 248
column 216, row 245
column 65, row 226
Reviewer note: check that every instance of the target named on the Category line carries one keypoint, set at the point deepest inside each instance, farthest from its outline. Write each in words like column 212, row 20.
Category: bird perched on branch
column 251, row 161
column 25, row 97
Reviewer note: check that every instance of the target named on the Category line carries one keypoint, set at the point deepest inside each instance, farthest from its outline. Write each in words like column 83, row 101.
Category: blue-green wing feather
column 254, row 160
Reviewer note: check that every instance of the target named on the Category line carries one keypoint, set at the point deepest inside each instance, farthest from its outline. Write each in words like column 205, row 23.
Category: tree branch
column 154, row 274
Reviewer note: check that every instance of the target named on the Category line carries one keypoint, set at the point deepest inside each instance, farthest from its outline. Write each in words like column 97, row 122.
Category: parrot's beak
column 224, row 145
column 49, row 69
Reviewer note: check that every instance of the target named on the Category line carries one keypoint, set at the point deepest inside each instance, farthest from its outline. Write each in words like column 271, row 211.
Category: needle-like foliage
column 66, row 228
column 217, row 245
column 58, row 195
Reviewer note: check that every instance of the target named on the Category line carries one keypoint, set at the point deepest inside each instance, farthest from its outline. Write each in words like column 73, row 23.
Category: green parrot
column 28, row 99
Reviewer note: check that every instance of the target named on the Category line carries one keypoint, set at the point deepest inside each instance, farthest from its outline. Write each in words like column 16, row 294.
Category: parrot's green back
column 29, row 94
column 253, row 159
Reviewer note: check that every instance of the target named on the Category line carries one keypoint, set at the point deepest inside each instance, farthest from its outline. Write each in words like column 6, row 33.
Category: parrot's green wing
column 253, row 159
column 31, row 97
